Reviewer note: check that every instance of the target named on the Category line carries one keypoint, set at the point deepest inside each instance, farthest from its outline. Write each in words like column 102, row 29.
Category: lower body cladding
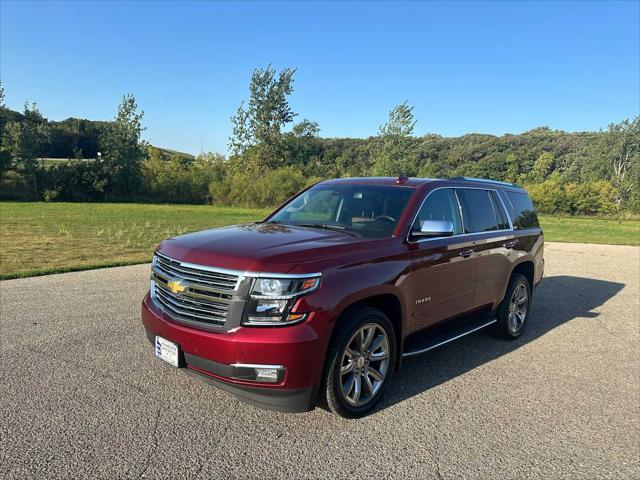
column 278, row 368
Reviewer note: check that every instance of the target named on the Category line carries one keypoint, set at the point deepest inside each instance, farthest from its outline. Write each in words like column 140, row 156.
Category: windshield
column 366, row 210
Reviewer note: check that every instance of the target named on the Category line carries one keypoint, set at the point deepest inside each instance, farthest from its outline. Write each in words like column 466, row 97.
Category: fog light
column 258, row 373
column 267, row 375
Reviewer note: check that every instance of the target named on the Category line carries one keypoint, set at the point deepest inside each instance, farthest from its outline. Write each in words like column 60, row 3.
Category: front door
column 443, row 269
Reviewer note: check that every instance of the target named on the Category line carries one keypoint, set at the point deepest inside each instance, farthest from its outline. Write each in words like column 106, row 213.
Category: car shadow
column 557, row 300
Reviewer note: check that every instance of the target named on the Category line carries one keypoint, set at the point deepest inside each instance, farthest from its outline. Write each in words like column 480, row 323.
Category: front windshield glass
column 366, row 210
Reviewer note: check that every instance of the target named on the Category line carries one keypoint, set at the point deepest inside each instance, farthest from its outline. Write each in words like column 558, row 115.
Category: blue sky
column 466, row 67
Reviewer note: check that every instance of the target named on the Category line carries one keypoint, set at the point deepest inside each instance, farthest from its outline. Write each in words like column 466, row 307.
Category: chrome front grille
column 192, row 293
column 197, row 274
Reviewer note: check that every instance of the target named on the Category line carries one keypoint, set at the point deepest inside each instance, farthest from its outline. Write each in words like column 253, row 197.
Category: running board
column 450, row 335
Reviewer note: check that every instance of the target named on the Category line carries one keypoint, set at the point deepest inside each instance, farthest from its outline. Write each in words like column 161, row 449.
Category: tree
column 39, row 127
column 268, row 111
column 12, row 140
column 241, row 137
column 122, row 151
column 391, row 155
column 513, row 167
column 400, row 123
column 624, row 148
column 306, row 129
column 542, row 168
column 23, row 142
column 5, row 157
column 37, row 136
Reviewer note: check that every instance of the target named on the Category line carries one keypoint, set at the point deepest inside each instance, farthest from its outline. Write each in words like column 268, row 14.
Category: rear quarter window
column 523, row 215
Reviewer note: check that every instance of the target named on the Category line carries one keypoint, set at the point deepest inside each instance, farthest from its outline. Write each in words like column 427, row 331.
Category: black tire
column 332, row 394
column 504, row 327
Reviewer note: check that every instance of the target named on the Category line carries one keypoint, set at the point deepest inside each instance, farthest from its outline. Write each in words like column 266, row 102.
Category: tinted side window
column 441, row 205
column 524, row 215
column 477, row 211
column 501, row 215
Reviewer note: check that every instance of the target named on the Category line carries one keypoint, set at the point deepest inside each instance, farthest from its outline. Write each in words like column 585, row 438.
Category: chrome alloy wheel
column 364, row 364
column 518, row 306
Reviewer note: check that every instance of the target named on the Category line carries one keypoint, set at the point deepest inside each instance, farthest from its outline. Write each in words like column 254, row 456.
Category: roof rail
column 484, row 180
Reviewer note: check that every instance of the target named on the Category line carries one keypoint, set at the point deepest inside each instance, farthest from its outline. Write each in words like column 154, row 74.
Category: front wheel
column 513, row 312
column 359, row 363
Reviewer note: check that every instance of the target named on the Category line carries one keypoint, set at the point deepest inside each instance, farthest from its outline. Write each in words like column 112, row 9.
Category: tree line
column 271, row 156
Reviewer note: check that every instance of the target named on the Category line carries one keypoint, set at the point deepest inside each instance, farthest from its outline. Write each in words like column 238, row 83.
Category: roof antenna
column 402, row 178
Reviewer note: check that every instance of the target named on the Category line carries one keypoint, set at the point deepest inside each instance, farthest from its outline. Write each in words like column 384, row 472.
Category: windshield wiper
column 327, row 226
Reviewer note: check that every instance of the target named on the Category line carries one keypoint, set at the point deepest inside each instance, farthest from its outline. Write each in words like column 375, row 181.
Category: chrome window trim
column 455, row 194
column 242, row 274
column 493, row 208
column 510, row 202
column 460, row 235
column 408, row 237
column 504, row 208
column 339, row 210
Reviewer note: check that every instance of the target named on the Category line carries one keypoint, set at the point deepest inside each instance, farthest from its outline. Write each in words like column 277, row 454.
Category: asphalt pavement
column 83, row 396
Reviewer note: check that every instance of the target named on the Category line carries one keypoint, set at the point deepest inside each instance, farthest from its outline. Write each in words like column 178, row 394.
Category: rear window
column 477, row 211
column 522, row 212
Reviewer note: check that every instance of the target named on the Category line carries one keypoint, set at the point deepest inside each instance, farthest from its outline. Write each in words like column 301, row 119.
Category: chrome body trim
column 408, row 238
column 504, row 207
column 204, row 297
column 444, row 342
column 210, row 294
column 255, row 321
column 256, row 365
column 241, row 273
column 249, row 371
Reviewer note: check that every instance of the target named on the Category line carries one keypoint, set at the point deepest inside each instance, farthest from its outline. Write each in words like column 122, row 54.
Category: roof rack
column 484, row 180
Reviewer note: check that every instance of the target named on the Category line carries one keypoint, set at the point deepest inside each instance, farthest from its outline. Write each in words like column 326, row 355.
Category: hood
column 260, row 246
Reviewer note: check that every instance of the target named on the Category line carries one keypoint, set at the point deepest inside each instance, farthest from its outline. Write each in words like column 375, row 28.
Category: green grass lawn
column 41, row 238
column 590, row 230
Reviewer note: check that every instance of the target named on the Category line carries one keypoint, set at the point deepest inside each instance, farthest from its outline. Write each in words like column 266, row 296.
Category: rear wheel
column 513, row 312
column 359, row 363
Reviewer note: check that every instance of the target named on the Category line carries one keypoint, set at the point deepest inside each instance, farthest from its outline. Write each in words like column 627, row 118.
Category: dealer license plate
column 167, row 351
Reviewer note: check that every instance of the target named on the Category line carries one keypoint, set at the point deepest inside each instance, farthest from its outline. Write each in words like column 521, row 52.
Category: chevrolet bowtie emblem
column 176, row 286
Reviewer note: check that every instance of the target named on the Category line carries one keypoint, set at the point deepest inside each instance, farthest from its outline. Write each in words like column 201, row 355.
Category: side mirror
column 435, row 228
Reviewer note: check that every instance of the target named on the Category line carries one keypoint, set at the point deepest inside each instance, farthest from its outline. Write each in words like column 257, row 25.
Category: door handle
column 510, row 244
column 467, row 253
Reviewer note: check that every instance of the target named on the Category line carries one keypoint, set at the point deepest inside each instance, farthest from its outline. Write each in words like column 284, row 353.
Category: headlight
column 272, row 299
column 283, row 288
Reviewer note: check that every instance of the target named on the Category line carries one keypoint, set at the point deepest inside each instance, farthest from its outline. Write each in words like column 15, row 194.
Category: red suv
column 323, row 299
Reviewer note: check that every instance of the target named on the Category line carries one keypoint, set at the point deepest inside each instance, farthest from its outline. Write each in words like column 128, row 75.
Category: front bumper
column 300, row 349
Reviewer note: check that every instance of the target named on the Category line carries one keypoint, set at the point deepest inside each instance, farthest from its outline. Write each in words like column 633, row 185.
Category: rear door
column 528, row 237
column 487, row 224
column 443, row 269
